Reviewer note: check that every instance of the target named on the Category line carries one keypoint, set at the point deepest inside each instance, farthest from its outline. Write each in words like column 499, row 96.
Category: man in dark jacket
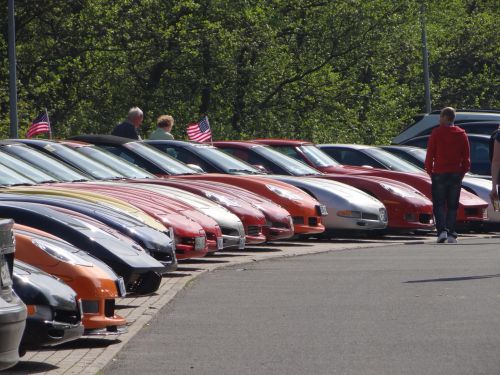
column 128, row 128
column 447, row 161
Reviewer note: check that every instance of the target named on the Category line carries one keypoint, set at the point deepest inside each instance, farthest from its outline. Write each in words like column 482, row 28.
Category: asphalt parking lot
column 109, row 354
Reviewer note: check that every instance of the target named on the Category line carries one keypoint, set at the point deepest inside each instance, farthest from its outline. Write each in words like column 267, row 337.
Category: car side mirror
column 196, row 167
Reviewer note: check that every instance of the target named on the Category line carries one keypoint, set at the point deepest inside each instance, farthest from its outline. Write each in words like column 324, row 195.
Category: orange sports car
column 94, row 282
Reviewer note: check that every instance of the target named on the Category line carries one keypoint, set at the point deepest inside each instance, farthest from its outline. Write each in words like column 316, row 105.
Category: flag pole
column 48, row 120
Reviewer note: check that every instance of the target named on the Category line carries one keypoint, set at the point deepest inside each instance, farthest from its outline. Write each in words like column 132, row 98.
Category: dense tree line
column 346, row 70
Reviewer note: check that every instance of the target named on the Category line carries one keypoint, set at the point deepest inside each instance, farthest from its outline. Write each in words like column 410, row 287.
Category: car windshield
column 84, row 163
column 318, row 157
column 122, row 166
column 392, row 162
column 418, row 153
column 46, row 163
column 9, row 177
column 292, row 166
column 162, row 160
column 24, row 168
column 225, row 161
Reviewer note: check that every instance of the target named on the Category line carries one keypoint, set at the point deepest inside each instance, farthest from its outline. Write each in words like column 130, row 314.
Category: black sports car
column 54, row 313
column 140, row 271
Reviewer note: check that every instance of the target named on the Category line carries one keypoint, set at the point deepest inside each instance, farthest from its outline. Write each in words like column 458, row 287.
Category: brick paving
column 88, row 355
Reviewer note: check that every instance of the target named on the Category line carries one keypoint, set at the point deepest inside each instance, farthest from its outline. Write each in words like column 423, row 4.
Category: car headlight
column 40, row 312
column 60, row 253
column 283, row 193
column 222, row 200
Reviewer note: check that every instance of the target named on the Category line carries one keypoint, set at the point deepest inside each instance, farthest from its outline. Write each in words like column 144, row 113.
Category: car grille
column 229, row 231
column 109, row 308
column 368, row 216
column 298, row 220
column 472, row 212
column 90, row 307
column 279, row 225
column 253, row 230
column 211, row 236
column 425, row 218
column 313, row 221
column 64, row 316
column 163, row 257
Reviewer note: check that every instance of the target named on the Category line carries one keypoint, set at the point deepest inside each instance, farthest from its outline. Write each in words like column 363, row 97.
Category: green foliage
column 343, row 71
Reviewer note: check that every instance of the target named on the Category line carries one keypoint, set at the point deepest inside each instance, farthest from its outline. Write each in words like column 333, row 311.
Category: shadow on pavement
column 203, row 261
column 460, row 278
column 177, row 274
column 90, row 342
column 299, row 243
column 31, row 367
column 121, row 307
column 261, row 250
column 189, row 269
column 223, row 254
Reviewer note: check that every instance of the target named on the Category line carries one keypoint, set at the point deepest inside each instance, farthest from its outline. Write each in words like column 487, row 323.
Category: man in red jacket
column 447, row 161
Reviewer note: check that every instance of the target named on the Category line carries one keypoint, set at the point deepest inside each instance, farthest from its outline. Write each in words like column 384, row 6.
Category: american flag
column 39, row 125
column 199, row 131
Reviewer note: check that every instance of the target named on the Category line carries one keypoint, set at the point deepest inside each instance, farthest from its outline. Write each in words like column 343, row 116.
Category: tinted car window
column 188, row 157
column 352, row 157
column 417, row 142
column 479, row 150
column 288, row 151
column 318, row 157
column 134, row 159
column 253, row 159
column 48, row 164
column 409, row 156
column 479, row 128
column 471, row 128
column 124, row 167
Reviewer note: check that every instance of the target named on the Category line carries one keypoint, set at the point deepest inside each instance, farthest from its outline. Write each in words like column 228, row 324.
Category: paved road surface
column 409, row 309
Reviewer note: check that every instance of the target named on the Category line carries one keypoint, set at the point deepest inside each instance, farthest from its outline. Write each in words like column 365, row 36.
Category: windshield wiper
column 80, row 180
column 22, row 184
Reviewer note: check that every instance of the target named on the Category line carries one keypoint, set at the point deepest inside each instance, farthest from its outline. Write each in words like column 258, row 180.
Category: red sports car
column 407, row 209
column 471, row 209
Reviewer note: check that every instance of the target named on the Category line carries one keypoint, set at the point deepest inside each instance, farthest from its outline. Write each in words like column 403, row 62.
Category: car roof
column 102, row 139
column 7, row 142
column 241, row 144
column 346, row 145
column 426, row 121
column 73, row 143
column 476, row 136
column 175, row 142
column 283, row 142
column 400, row 147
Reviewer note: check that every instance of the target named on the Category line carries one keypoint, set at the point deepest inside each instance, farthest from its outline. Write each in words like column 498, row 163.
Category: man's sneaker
column 442, row 237
column 452, row 239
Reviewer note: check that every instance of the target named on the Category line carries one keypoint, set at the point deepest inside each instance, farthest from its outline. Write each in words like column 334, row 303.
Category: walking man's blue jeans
column 445, row 196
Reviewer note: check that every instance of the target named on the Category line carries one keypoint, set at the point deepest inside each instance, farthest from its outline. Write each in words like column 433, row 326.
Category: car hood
column 36, row 287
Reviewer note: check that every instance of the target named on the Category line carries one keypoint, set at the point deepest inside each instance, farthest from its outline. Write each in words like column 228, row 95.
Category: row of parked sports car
column 110, row 216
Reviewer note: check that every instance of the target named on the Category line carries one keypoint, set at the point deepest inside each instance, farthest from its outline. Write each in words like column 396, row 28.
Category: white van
column 428, row 121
